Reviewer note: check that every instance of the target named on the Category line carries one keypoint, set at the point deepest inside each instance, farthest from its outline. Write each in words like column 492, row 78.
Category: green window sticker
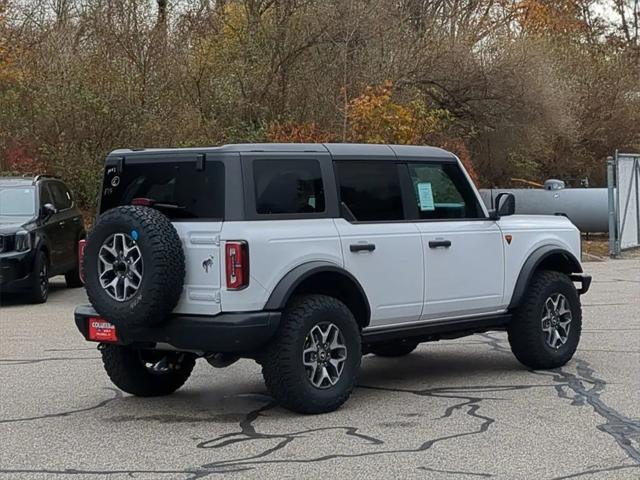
column 425, row 197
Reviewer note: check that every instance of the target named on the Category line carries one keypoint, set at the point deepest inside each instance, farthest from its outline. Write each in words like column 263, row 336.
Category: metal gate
column 623, row 179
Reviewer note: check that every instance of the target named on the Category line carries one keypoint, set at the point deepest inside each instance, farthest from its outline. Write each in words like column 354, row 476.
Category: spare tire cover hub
column 120, row 266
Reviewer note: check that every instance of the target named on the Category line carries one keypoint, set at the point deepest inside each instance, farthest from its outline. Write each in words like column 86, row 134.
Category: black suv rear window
column 177, row 188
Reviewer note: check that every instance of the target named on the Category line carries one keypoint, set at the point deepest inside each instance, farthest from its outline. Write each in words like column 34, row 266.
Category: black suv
column 40, row 227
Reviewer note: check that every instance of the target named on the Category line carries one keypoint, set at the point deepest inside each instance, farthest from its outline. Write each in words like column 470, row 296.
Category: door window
column 288, row 186
column 45, row 195
column 61, row 196
column 371, row 190
column 442, row 191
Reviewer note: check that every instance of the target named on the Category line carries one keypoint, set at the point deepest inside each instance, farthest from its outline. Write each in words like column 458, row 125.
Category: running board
column 437, row 330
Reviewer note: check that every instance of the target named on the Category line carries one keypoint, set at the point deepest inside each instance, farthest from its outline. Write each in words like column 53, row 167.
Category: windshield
column 17, row 201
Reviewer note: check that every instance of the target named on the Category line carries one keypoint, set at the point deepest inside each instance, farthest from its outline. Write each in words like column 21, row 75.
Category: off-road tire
column 36, row 293
column 163, row 263
column 128, row 372
column 282, row 366
column 526, row 337
column 395, row 349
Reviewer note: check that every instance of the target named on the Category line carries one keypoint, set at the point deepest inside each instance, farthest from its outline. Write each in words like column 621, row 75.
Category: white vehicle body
column 306, row 257
column 405, row 276
column 404, row 279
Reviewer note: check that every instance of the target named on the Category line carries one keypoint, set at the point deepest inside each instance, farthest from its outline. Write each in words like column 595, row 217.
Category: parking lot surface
column 452, row 409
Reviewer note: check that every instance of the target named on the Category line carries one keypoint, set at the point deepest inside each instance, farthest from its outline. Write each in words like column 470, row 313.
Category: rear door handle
column 439, row 243
column 62, row 222
column 362, row 247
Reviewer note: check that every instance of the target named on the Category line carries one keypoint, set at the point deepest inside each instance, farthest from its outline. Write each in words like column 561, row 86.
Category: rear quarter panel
column 275, row 248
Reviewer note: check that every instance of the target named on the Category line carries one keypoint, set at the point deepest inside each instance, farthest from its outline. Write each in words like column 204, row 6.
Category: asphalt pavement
column 458, row 409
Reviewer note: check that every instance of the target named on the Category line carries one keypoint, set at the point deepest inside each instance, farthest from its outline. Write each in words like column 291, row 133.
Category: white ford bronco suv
column 304, row 257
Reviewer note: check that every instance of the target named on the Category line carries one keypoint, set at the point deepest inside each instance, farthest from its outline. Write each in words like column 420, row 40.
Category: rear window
column 178, row 189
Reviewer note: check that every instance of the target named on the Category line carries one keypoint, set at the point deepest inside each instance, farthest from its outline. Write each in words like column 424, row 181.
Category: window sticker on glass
column 425, row 196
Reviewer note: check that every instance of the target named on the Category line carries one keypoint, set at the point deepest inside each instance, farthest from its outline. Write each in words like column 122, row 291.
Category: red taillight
column 81, row 245
column 237, row 262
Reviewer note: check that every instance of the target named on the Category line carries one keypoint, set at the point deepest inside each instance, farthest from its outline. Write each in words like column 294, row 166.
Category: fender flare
column 531, row 265
column 41, row 242
column 288, row 284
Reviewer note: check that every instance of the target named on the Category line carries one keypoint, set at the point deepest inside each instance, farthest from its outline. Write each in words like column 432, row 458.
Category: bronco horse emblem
column 207, row 264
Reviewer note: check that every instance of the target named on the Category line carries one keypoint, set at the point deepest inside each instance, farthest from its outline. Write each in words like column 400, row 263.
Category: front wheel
column 545, row 329
column 312, row 363
column 146, row 373
column 39, row 291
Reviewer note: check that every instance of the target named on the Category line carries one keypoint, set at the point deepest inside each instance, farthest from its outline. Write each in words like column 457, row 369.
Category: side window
column 442, row 191
column 45, row 196
column 61, row 197
column 371, row 190
column 288, row 186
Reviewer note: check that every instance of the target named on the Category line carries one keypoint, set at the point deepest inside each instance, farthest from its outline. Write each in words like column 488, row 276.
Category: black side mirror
column 48, row 210
column 505, row 204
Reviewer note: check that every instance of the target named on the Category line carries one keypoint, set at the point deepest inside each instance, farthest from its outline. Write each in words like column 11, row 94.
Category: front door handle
column 439, row 243
column 362, row 247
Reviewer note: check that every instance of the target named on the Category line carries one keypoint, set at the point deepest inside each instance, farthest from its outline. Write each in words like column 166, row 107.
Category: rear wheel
column 312, row 363
column 146, row 373
column 545, row 329
column 395, row 349
column 39, row 291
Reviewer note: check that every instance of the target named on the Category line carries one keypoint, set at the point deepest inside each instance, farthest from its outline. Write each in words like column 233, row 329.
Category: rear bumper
column 228, row 332
column 584, row 280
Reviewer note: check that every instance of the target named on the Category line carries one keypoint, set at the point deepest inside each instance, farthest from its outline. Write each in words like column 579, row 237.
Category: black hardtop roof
column 337, row 150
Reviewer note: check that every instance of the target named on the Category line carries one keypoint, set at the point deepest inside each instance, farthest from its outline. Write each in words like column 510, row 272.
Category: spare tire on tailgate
column 134, row 266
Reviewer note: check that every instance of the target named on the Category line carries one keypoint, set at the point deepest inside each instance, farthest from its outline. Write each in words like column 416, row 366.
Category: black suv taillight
column 81, row 246
column 236, row 253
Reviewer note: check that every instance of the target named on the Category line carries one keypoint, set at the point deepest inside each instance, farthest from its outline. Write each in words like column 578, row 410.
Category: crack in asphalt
column 116, row 395
column 466, row 401
column 624, row 430
column 456, row 472
column 31, row 361
column 595, row 470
